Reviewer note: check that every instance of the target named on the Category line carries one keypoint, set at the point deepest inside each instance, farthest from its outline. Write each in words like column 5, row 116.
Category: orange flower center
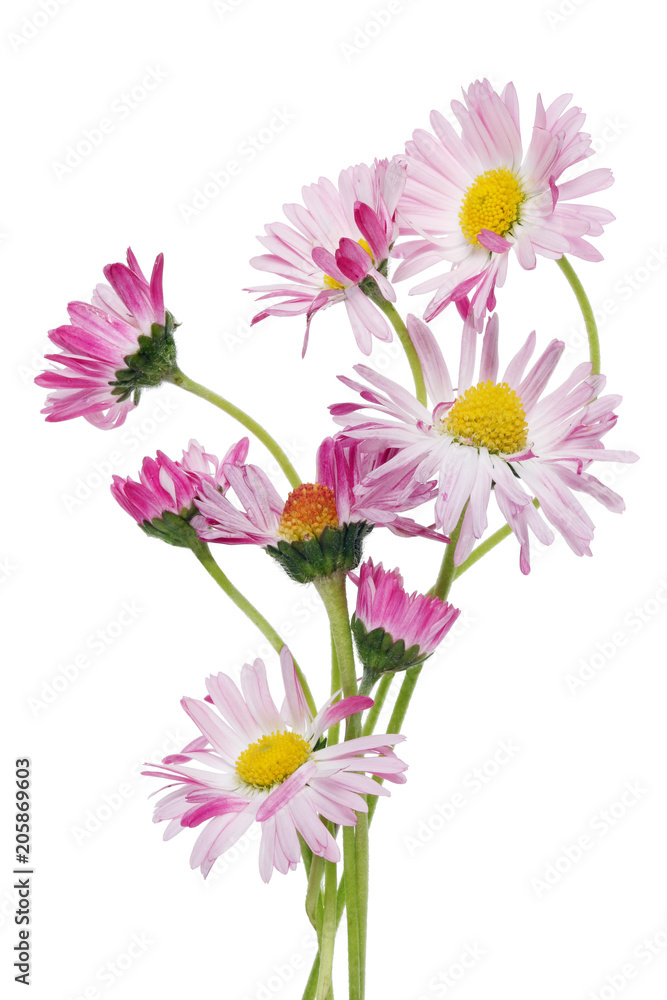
column 309, row 509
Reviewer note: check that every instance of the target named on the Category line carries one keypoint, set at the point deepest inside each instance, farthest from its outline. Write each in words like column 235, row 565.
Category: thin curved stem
column 484, row 547
column 374, row 711
column 447, row 572
column 313, row 901
column 177, row 377
column 397, row 719
column 351, row 903
column 203, row 554
column 586, row 310
column 362, row 861
column 328, row 936
column 409, row 348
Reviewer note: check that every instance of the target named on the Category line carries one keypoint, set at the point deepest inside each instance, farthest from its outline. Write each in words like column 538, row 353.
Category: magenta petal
column 281, row 795
column 493, row 242
column 343, row 709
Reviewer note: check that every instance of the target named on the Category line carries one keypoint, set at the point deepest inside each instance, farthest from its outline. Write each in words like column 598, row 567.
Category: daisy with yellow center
column 488, row 415
column 494, row 435
column 491, row 202
column 338, row 239
column 255, row 763
column 474, row 197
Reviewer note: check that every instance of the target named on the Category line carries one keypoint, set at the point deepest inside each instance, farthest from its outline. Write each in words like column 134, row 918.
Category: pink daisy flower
column 265, row 765
column 338, row 240
column 321, row 524
column 494, row 434
column 394, row 630
column 167, row 489
column 474, row 197
column 111, row 349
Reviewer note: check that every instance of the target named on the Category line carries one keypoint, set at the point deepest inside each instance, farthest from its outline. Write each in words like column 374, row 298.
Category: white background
column 102, row 873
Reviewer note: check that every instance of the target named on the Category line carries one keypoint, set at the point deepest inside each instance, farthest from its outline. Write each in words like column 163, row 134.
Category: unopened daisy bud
column 394, row 630
column 162, row 502
column 113, row 348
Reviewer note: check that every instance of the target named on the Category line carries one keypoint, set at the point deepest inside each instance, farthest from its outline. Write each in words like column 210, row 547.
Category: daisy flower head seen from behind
column 496, row 434
column 113, row 347
column 254, row 763
column 472, row 199
column 338, row 239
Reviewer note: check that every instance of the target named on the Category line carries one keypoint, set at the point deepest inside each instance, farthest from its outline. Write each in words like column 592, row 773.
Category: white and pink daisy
column 170, row 487
column 394, row 630
column 474, row 197
column 95, row 378
column 340, row 237
column 262, row 517
column 264, row 765
column 494, row 434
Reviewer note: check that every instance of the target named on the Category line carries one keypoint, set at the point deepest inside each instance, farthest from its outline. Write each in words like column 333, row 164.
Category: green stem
column 328, row 931
column 409, row 348
column 586, row 310
column 334, row 731
column 398, row 717
column 351, row 903
column 334, row 597
column 203, row 554
column 447, row 572
column 313, row 903
column 311, row 985
column 483, row 548
column 177, row 377
column 374, row 711
column 362, row 860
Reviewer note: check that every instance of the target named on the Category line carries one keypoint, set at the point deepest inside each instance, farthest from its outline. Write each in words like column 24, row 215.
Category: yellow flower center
column 272, row 759
column 309, row 509
column 489, row 415
column 491, row 202
column 330, row 282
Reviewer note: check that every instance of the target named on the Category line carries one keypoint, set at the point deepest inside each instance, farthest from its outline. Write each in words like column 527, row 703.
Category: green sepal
column 336, row 549
column 151, row 365
column 380, row 654
column 175, row 529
